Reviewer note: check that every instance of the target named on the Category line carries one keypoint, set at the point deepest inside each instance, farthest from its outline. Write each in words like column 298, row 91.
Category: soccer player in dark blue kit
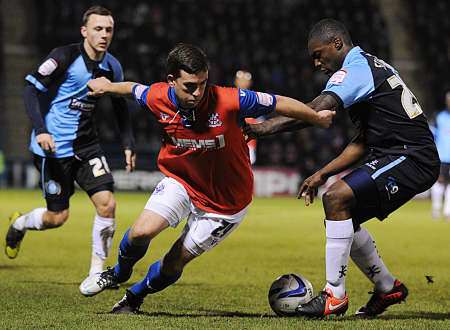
column 64, row 140
column 394, row 154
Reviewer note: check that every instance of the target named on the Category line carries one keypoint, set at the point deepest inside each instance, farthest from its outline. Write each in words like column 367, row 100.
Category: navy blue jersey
column 382, row 106
column 68, row 111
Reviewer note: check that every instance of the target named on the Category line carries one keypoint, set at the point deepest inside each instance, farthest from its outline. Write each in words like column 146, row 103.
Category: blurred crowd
column 431, row 25
column 265, row 37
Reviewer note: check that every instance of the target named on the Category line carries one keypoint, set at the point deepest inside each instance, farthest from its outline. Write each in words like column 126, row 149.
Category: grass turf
column 227, row 287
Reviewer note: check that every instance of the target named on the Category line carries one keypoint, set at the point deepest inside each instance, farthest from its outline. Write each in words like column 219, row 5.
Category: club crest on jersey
column 48, row 67
column 209, row 144
column 164, row 116
column 338, row 77
column 214, row 120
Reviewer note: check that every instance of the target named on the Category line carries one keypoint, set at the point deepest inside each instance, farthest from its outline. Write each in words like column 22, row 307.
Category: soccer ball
column 287, row 292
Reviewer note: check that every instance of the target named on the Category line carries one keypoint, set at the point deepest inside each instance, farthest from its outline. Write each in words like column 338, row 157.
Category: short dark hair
column 186, row 57
column 97, row 10
column 327, row 29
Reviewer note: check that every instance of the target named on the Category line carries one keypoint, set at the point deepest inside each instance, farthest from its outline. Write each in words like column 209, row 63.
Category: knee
column 139, row 235
column 55, row 219
column 107, row 208
column 335, row 200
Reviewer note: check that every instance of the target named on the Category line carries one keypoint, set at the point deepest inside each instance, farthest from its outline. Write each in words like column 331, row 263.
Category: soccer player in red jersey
column 205, row 159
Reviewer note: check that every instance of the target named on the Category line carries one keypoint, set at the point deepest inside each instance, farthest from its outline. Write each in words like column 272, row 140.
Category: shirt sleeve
column 255, row 104
column 140, row 94
column 351, row 84
column 50, row 69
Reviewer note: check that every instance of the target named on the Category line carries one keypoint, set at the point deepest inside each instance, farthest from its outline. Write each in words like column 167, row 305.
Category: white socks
column 339, row 241
column 437, row 194
column 447, row 203
column 365, row 255
column 31, row 220
column 102, row 235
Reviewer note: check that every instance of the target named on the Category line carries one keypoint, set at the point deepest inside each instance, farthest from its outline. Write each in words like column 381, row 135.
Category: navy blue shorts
column 58, row 176
column 384, row 184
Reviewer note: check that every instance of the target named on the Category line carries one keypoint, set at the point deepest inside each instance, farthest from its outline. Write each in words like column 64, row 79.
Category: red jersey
column 210, row 157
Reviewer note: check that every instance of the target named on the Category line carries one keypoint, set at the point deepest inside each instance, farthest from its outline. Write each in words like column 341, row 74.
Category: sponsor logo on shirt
column 82, row 105
column 214, row 120
column 338, row 77
column 209, row 144
column 48, row 67
column 264, row 99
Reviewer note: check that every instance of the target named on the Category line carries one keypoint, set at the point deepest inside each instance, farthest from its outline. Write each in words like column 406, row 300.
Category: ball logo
column 53, row 188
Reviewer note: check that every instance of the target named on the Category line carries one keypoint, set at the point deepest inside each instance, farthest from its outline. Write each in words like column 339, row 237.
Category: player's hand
column 46, row 142
column 130, row 160
column 98, row 86
column 326, row 118
column 309, row 187
column 253, row 131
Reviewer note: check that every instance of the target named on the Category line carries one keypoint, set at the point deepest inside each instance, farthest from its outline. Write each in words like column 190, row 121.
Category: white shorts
column 203, row 230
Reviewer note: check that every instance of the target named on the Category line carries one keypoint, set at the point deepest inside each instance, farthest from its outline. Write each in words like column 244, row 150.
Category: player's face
column 98, row 32
column 189, row 87
column 326, row 56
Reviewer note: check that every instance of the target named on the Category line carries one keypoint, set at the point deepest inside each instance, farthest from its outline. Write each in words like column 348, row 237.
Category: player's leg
column 92, row 173
column 103, row 228
column 136, row 240
column 337, row 202
column 365, row 255
column 446, row 175
column 167, row 206
column 437, row 194
column 380, row 189
column 200, row 234
column 57, row 187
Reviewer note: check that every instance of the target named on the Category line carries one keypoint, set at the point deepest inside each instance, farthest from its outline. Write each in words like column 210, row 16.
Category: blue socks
column 129, row 254
column 154, row 281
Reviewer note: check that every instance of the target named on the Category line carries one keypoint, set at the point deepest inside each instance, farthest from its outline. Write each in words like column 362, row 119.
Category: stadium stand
column 432, row 29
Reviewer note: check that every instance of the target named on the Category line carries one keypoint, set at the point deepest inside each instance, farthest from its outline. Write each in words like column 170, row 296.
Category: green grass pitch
column 227, row 287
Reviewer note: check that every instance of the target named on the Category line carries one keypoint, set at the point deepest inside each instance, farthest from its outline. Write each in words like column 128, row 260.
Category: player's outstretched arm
column 285, row 124
column 101, row 86
column 293, row 108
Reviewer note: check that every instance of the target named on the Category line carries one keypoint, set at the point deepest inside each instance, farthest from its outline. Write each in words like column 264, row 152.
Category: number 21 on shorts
column 99, row 166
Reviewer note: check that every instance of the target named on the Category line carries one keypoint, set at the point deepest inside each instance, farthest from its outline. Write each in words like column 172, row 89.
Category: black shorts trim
column 57, row 206
column 103, row 187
